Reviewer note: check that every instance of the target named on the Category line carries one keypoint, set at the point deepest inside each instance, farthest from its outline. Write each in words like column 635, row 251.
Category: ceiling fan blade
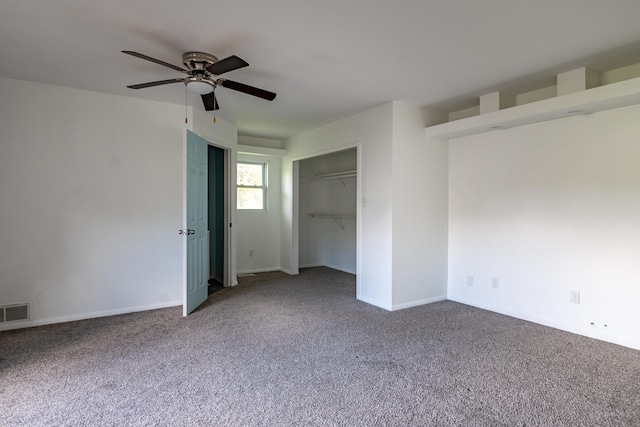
column 210, row 102
column 228, row 64
column 157, row 61
column 158, row 83
column 241, row 87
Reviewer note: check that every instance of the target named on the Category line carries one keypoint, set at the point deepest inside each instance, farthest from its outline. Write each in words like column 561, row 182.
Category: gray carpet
column 300, row 351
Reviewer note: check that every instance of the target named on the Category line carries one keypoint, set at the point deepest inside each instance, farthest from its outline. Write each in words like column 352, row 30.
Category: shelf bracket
column 338, row 221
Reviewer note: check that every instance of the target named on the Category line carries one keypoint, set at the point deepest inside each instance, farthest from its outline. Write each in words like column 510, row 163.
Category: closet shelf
column 336, row 175
column 337, row 218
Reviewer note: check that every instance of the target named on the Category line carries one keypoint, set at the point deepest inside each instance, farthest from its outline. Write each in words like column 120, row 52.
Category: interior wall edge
column 417, row 303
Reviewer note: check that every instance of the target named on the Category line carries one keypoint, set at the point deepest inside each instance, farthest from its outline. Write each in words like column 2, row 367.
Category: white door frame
column 228, row 277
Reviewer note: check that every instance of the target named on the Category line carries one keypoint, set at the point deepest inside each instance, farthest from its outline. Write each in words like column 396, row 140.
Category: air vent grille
column 14, row 313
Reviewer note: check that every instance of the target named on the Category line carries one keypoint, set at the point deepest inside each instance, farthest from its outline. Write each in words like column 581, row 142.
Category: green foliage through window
column 252, row 186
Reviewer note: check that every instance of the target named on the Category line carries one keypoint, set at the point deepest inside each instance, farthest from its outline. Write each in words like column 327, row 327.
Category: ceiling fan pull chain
column 215, row 104
column 186, row 120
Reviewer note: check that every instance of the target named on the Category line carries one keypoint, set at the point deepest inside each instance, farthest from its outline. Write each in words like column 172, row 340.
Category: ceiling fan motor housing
column 198, row 61
column 200, row 80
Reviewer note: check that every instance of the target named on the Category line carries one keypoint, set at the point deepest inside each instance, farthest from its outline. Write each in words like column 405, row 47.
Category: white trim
column 333, row 267
column 374, row 303
column 84, row 316
column 331, row 150
column 311, row 266
column 418, row 302
column 359, row 196
column 287, row 271
column 295, row 217
column 261, row 151
column 184, row 219
column 340, row 269
column 591, row 333
column 231, row 255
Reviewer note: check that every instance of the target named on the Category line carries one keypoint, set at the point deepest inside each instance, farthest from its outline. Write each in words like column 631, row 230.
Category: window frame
column 263, row 187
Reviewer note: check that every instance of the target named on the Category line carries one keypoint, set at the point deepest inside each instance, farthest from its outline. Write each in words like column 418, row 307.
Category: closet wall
column 327, row 206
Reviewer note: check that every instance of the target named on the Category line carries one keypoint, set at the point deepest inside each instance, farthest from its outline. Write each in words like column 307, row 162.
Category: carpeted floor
column 282, row 350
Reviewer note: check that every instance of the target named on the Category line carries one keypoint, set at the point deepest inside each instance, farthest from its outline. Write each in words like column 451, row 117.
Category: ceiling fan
column 202, row 71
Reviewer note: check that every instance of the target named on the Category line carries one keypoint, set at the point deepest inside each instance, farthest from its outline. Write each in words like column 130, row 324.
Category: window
column 252, row 185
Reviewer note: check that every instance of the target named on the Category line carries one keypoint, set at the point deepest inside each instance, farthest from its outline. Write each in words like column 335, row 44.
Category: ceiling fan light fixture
column 198, row 86
column 202, row 70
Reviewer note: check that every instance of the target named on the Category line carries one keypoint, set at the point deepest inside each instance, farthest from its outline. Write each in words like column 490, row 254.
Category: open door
column 196, row 251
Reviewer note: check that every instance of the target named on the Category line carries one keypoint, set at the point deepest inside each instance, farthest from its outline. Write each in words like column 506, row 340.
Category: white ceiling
column 325, row 59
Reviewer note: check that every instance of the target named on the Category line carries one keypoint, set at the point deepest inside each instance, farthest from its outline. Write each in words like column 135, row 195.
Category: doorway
column 327, row 210
column 207, row 248
column 216, row 217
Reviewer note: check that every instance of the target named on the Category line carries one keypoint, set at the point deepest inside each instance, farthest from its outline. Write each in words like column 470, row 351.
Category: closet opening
column 327, row 194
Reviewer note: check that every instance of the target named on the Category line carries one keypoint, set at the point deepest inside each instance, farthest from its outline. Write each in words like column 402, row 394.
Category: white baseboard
column 259, row 270
column 624, row 341
column 310, row 265
column 344, row 270
column 375, row 303
column 418, row 302
column 333, row 267
column 84, row 316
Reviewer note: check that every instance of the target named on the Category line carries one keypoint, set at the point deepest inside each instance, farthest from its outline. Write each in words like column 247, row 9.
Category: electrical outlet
column 469, row 280
column 495, row 283
column 574, row 297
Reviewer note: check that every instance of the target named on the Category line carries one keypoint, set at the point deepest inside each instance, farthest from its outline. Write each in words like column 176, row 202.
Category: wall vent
column 14, row 313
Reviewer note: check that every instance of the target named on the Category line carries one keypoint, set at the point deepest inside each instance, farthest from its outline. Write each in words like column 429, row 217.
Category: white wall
column 92, row 198
column 419, row 211
column 91, row 189
column 259, row 231
column 549, row 208
column 373, row 129
column 222, row 133
column 311, row 235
